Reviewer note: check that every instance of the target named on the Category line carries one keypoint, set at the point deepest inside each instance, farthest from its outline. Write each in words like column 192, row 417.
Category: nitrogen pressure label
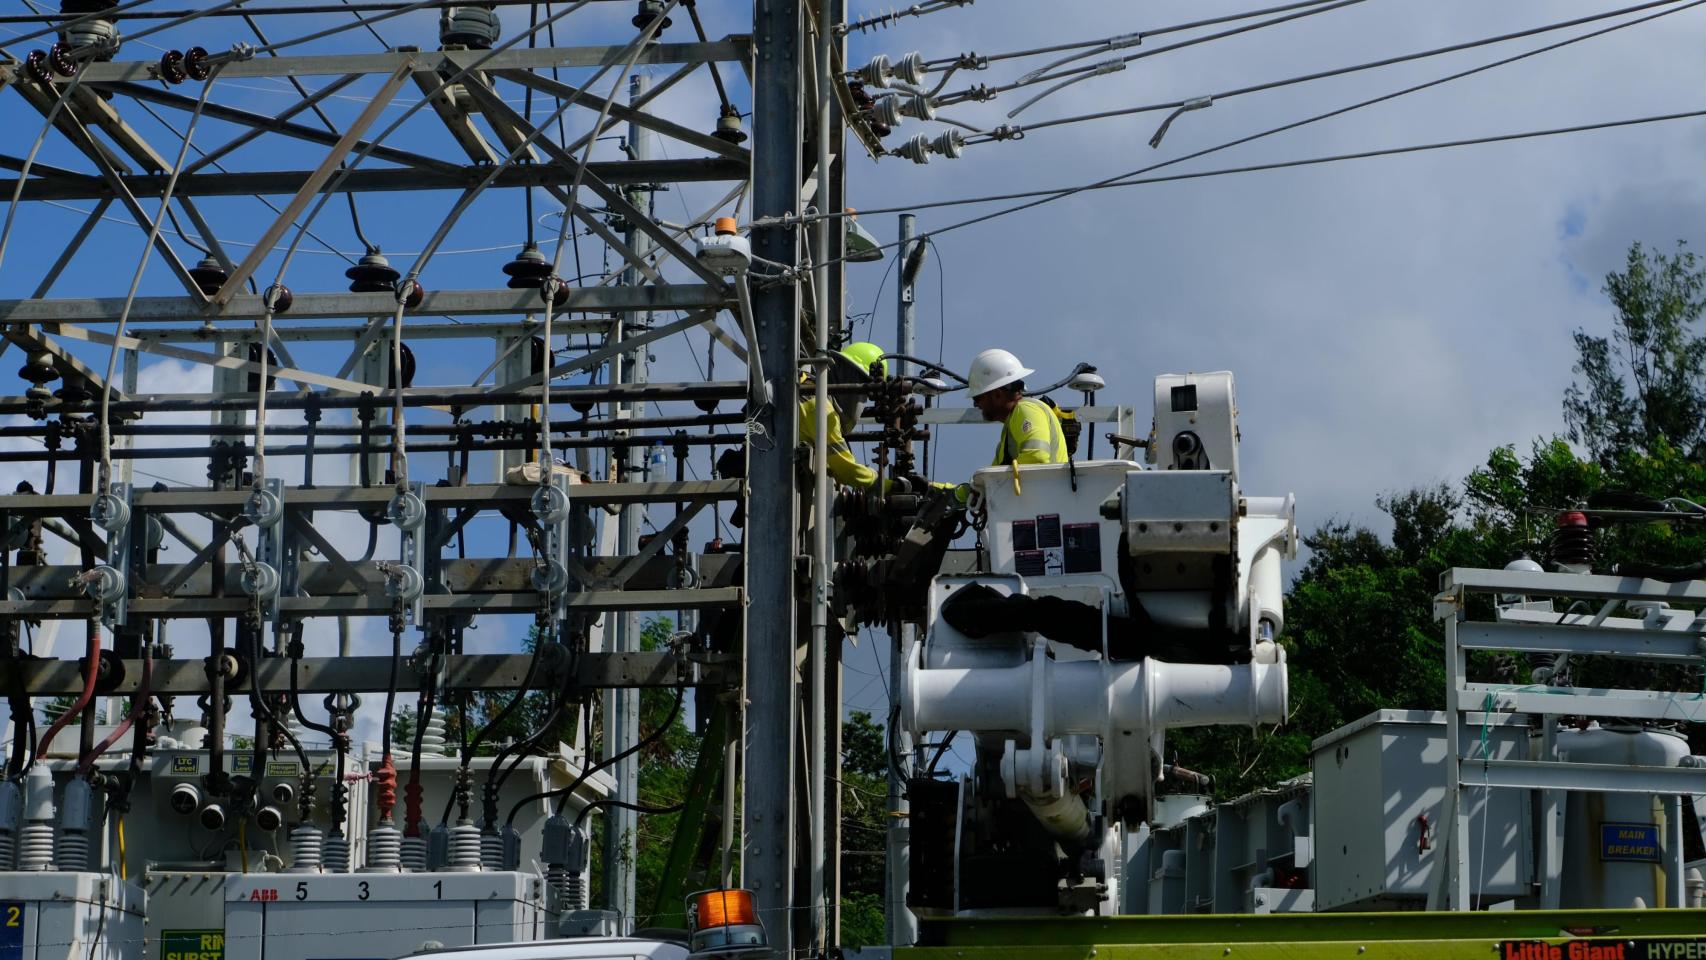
column 192, row 945
column 11, row 930
column 1663, row 948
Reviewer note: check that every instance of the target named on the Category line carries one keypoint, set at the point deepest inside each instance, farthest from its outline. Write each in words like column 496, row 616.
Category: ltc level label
column 192, row 945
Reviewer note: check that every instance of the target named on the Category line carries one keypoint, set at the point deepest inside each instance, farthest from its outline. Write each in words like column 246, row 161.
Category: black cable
column 566, row 792
column 524, row 747
column 580, row 818
column 502, row 715
column 391, row 692
column 941, row 748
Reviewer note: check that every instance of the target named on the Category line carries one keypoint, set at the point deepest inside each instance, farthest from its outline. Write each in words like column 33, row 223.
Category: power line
column 1357, row 68
column 1117, row 180
column 1077, row 74
column 1128, row 181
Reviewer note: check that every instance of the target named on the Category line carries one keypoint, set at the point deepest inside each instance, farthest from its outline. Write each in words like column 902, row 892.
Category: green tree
column 864, row 823
column 1645, row 381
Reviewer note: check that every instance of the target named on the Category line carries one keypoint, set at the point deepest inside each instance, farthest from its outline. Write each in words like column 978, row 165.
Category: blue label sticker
column 1629, row 842
column 11, row 930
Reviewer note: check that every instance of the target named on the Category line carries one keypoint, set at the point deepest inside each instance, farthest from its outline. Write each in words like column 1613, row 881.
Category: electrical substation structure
column 360, row 685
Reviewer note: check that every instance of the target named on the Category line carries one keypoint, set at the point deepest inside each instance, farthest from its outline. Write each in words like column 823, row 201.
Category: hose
column 93, row 654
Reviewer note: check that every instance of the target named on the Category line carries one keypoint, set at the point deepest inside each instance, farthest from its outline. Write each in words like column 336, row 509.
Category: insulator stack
column 491, row 851
column 73, row 853
column 472, row 26
column 557, row 886
column 385, row 849
column 35, row 849
column 307, row 848
column 11, row 816
column 949, row 146
column 464, row 848
column 1572, row 543
column 385, row 788
column 98, row 32
column 412, row 855
column 576, row 893
column 336, row 854
column 433, row 737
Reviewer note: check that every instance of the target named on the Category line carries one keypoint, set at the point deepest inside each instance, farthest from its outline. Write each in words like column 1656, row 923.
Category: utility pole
column 770, row 693
column 622, row 707
column 902, row 927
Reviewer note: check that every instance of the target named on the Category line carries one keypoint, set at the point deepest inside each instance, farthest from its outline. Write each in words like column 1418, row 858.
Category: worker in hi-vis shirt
column 1030, row 430
column 851, row 364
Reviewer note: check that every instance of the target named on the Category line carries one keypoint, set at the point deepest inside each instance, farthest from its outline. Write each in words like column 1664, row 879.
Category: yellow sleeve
column 843, row 466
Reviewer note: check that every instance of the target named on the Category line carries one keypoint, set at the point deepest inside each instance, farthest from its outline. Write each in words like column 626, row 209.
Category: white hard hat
column 994, row 368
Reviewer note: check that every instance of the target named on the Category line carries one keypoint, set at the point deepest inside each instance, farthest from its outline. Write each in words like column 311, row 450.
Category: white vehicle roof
column 580, row 948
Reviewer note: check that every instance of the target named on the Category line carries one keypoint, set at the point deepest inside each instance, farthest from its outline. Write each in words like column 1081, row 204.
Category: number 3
column 363, row 890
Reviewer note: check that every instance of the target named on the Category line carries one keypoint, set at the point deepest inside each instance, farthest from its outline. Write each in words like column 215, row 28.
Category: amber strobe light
column 724, row 923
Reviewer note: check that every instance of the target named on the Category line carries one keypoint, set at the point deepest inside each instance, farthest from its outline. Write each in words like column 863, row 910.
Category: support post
column 622, row 707
column 771, row 694
column 905, row 297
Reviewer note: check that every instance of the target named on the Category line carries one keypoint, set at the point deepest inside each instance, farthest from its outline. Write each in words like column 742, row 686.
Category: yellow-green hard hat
column 864, row 355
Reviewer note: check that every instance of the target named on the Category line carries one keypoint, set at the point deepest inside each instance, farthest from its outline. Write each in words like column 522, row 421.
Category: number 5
column 301, row 889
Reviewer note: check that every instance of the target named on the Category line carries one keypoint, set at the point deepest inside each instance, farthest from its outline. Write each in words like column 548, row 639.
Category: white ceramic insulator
column 8, row 850
column 876, row 73
column 336, row 854
column 35, row 847
column 433, row 737
column 73, row 854
column 910, row 69
column 384, row 848
column 464, row 848
column 307, row 848
column 413, row 854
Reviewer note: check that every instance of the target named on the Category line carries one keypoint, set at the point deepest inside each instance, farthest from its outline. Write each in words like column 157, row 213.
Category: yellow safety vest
column 843, row 466
column 1031, row 434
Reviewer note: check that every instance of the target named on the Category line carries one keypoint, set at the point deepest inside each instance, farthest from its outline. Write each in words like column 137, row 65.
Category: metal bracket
column 111, row 586
column 409, row 515
column 265, row 509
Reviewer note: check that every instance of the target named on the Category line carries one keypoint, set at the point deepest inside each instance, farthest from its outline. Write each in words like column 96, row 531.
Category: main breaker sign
column 192, row 945
column 1637, row 842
